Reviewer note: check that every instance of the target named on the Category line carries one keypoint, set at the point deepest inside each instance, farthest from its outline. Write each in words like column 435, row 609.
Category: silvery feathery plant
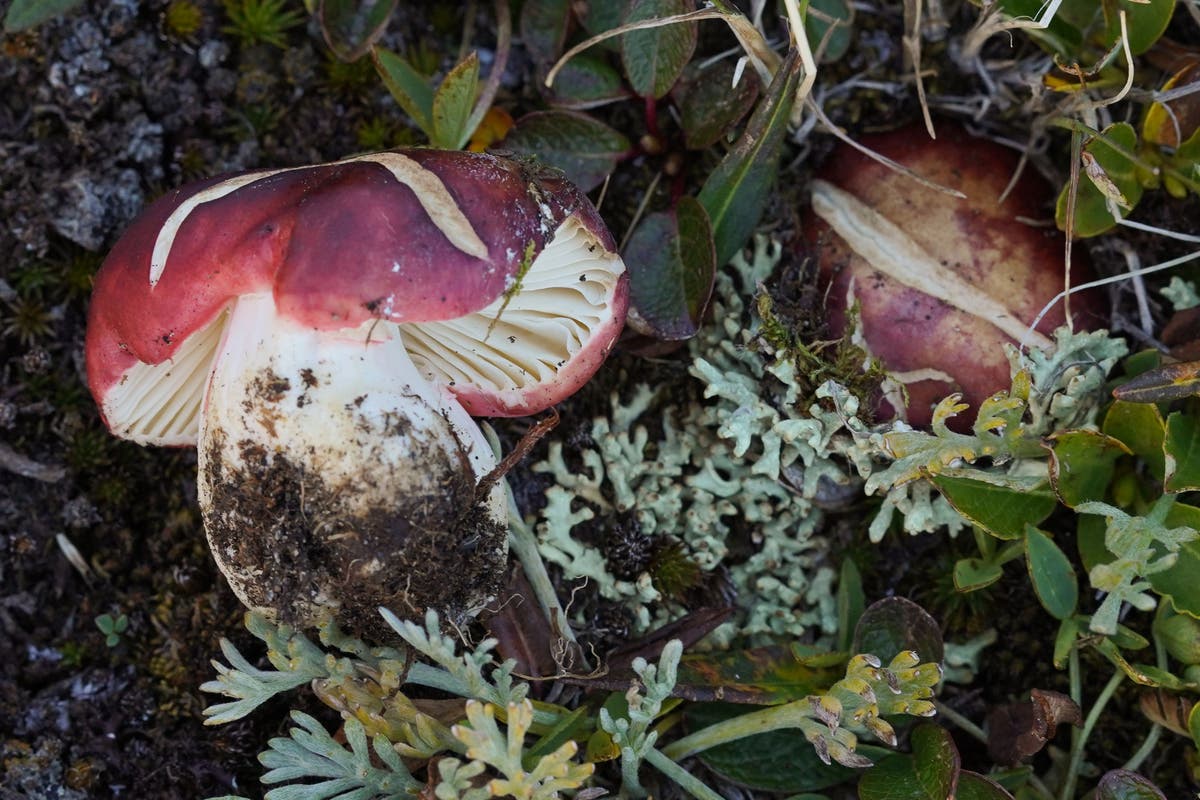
column 502, row 744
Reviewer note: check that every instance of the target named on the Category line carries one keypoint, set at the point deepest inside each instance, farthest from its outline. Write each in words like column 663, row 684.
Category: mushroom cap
column 405, row 238
column 988, row 244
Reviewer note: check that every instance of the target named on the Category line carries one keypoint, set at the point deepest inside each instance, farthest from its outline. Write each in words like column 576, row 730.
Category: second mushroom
column 324, row 334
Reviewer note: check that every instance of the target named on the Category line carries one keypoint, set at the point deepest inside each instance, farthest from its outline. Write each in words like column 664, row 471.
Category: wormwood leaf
column 1142, row 546
column 310, row 752
column 487, row 745
column 249, row 686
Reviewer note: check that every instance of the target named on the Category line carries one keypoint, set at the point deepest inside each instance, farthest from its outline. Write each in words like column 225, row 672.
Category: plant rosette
column 323, row 334
column 943, row 278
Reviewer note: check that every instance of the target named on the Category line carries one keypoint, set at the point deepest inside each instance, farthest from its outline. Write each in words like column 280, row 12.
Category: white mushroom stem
column 345, row 410
column 886, row 247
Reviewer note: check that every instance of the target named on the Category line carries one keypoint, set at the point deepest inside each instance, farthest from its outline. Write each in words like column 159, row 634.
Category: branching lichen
column 747, row 466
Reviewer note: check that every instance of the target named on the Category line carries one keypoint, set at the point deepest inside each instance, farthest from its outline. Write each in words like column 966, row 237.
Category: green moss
column 183, row 19
column 255, row 22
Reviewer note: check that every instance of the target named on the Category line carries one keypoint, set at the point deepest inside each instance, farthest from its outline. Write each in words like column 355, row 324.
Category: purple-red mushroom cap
column 432, row 242
column 941, row 282
column 323, row 334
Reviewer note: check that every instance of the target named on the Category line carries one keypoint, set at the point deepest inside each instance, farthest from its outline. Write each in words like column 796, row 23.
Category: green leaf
column 1000, row 510
column 351, row 27
column 761, row 676
column 710, row 105
column 1141, row 428
column 584, row 148
column 1162, row 384
column 1059, row 36
column 1181, row 448
column 654, row 58
column 894, row 624
column 452, row 104
column 736, row 192
column 971, row 574
column 1053, row 577
column 408, row 87
column 778, row 761
column 1064, row 640
column 839, row 30
column 1179, row 582
column 973, row 786
column 1089, row 538
column 1194, row 724
column 1081, row 464
column 25, row 14
column 1146, row 21
column 672, row 264
column 587, row 81
column 1180, row 634
column 930, row 773
column 544, row 28
column 1110, row 170
column 851, row 602
column 1121, row 784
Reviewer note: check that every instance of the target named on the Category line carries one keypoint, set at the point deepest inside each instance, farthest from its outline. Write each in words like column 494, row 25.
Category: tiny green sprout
column 112, row 628
column 261, row 21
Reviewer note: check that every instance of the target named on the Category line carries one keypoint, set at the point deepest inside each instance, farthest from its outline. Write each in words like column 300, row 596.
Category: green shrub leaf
column 584, row 148
column 672, row 264
column 654, row 58
column 971, row 574
column 1181, row 447
column 452, row 104
column 1121, row 784
column 1053, row 576
column 1106, row 175
column 736, row 192
column 1081, row 464
column 778, row 761
column 351, row 27
column 1002, row 511
column 894, row 624
column 930, row 773
column 1140, row 427
column 408, row 87
column 25, row 14
column 710, row 104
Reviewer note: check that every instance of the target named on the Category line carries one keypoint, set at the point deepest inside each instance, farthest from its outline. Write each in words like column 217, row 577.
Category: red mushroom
column 323, row 334
column 942, row 282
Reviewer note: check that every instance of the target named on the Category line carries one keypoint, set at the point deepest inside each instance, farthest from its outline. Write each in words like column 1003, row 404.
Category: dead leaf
column 1018, row 731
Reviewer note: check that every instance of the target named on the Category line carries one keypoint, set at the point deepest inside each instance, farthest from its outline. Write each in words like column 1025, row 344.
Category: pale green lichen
column 749, row 456
column 1181, row 293
column 717, row 466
